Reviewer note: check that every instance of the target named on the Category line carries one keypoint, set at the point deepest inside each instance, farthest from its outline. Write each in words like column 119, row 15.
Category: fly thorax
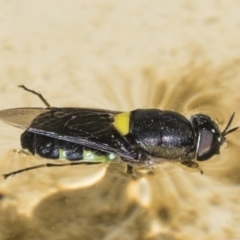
column 163, row 134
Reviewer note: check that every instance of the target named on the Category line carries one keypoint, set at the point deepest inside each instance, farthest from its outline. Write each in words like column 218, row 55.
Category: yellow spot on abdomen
column 121, row 122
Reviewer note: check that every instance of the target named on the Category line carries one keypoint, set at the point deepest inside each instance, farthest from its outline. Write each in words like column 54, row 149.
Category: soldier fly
column 142, row 137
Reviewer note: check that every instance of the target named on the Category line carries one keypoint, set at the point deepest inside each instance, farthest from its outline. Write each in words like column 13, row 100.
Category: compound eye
column 205, row 145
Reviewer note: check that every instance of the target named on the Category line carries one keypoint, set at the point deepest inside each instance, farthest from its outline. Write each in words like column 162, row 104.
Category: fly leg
column 47, row 165
column 191, row 164
column 22, row 151
column 36, row 93
column 129, row 169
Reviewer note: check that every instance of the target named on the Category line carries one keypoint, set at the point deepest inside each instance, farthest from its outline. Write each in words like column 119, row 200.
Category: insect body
column 142, row 136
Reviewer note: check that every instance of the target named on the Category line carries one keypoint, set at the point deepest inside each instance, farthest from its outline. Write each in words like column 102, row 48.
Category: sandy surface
column 121, row 55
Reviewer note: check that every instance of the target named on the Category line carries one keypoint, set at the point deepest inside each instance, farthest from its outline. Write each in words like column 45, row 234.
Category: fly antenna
column 226, row 131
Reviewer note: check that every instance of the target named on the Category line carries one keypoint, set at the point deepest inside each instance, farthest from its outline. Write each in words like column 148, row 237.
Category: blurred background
column 121, row 55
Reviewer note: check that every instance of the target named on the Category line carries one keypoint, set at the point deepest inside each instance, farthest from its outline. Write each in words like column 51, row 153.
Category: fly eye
column 209, row 138
column 209, row 144
column 205, row 143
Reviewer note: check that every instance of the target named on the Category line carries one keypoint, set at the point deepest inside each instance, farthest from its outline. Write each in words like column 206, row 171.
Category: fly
column 91, row 136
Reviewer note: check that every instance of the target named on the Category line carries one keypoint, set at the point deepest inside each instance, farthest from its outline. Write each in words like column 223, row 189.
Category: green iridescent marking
column 61, row 154
column 90, row 156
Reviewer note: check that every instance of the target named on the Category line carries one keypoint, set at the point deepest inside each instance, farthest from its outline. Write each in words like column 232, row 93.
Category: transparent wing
column 21, row 117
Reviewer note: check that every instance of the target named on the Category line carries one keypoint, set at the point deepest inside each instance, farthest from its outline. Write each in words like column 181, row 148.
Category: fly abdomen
column 47, row 147
column 52, row 148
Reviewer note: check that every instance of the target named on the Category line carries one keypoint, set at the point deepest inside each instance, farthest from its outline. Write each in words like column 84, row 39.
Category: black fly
column 92, row 136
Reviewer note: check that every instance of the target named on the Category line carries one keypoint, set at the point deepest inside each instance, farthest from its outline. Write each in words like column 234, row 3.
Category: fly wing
column 21, row 117
column 92, row 128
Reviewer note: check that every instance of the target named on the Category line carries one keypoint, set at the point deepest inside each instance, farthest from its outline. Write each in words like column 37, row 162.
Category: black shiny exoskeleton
column 90, row 136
